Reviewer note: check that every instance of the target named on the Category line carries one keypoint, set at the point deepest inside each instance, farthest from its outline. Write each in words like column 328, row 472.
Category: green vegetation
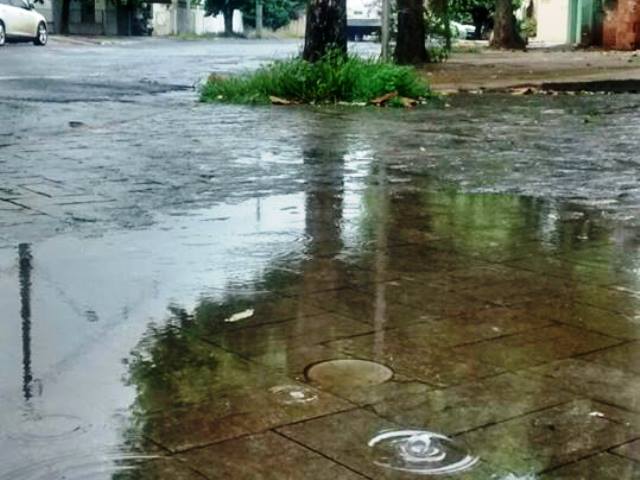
column 333, row 79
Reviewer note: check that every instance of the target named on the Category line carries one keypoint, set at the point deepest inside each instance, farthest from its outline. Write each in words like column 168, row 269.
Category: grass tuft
column 333, row 79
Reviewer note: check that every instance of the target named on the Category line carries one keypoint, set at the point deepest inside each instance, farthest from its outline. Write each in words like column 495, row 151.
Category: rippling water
column 420, row 452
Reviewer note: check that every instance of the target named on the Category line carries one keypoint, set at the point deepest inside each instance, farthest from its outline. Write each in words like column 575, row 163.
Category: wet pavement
column 174, row 276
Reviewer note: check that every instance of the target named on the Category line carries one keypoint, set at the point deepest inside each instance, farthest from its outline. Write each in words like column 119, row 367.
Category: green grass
column 331, row 80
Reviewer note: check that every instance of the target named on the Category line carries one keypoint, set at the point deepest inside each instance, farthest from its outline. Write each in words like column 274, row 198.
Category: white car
column 19, row 21
column 459, row 30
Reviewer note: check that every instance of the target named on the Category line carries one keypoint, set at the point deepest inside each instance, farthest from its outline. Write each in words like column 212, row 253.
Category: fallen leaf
column 236, row 317
column 522, row 91
column 408, row 102
column 279, row 101
column 384, row 98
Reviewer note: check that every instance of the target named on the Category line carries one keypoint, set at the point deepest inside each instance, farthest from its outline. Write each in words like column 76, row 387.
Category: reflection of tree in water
column 172, row 367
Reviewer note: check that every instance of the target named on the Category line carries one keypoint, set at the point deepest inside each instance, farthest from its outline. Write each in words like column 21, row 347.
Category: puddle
column 237, row 317
column 371, row 208
column 420, row 452
column 348, row 372
column 106, row 464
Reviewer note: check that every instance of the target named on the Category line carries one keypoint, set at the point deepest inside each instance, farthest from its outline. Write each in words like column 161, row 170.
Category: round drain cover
column 348, row 372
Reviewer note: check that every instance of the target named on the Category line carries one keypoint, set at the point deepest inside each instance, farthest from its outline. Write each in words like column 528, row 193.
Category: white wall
column 553, row 21
column 162, row 19
column 172, row 20
column 216, row 24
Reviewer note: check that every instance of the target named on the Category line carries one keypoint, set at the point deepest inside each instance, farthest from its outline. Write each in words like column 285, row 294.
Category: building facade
column 613, row 24
column 564, row 22
column 621, row 29
column 106, row 17
column 180, row 17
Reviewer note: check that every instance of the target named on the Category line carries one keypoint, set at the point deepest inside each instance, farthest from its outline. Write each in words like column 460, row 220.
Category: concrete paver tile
column 465, row 407
column 603, row 466
column 623, row 357
column 266, row 456
column 553, row 437
column 536, row 347
column 350, row 446
column 606, row 384
column 418, row 361
column 238, row 413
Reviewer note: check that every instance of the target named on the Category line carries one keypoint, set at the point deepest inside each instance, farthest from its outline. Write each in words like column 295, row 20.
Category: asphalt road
column 101, row 136
column 74, row 70
column 120, row 124
column 84, row 70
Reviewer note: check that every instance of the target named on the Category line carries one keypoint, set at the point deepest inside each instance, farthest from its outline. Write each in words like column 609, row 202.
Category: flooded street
column 198, row 291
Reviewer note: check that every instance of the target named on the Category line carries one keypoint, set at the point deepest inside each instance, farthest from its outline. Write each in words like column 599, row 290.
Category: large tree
column 411, row 35
column 64, row 16
column 505, row 27
column 326, row 28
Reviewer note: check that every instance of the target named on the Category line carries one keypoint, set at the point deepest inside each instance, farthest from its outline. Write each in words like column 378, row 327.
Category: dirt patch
column 485, row 69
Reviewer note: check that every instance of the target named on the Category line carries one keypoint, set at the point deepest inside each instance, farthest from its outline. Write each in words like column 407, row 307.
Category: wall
column 553, row 21
column 621, row 30
column 215, row 24
column 172, row 19
column 105, row 21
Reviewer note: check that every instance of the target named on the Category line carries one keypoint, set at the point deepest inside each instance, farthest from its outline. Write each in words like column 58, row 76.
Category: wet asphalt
column 171, row 272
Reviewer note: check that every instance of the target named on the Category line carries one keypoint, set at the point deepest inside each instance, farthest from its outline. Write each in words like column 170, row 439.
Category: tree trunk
column 410, row 43
column 64, row 17
column 505, row 28
column 326, row 28
column 227, row 13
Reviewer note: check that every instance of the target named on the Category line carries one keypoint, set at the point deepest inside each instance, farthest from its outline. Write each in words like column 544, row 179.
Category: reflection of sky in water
column 125, row 280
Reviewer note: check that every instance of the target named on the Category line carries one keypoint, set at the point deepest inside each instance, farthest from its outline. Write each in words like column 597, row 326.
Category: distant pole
column 259, row 18
column 190, row 23
column 386, row 35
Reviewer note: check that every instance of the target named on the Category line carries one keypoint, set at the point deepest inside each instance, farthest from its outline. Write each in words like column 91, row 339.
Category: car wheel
column 42, row 36
column 3, row 35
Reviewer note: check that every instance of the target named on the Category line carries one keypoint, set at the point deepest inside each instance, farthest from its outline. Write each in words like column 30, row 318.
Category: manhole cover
column 348, row 372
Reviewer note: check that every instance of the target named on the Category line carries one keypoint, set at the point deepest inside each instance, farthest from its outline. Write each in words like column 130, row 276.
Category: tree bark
column 64, row 17
column 410, row 42
column 227, row 13
column 505, row 28
column 326, row 28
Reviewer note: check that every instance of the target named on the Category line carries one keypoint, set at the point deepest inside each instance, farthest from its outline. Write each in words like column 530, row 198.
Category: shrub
column 333, row 79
